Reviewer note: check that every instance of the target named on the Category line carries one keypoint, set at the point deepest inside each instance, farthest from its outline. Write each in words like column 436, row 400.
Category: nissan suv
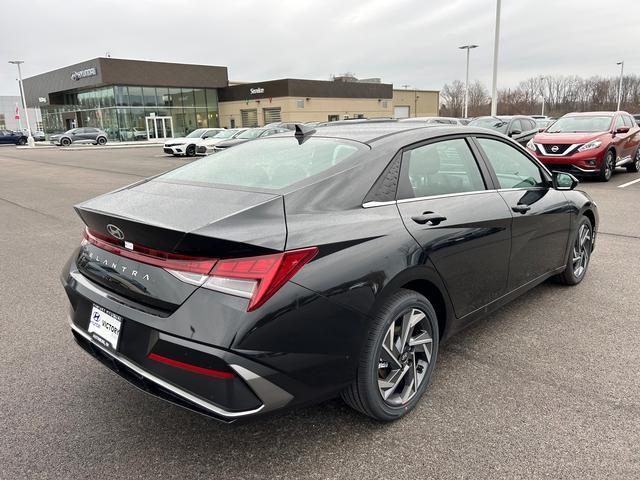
column 590, row 144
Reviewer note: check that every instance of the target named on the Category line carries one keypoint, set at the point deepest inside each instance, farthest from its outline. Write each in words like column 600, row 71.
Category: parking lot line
column 629, row 183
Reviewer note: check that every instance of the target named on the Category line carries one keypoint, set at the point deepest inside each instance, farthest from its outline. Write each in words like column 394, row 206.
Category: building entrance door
column 159, row 128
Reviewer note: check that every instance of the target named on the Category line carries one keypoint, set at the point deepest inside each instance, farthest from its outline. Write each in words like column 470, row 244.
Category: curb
column 91, row 147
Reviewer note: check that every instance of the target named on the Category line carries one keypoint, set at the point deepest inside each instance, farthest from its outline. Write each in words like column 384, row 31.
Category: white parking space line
column 629, row 183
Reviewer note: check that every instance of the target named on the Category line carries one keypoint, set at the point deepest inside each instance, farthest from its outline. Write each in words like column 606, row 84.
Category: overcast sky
column 402, row 41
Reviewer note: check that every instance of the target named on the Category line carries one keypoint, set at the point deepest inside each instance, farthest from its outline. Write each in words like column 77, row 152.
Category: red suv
column 590, row 144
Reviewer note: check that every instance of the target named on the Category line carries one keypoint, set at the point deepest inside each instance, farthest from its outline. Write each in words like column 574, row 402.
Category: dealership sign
column 256, row 91
column 87, row 72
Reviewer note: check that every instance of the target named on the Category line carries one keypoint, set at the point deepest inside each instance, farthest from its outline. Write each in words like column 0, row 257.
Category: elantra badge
column 115, row 232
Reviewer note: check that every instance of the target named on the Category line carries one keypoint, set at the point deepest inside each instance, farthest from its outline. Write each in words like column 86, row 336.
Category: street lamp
column 494, row 85
column 30, row 140
column 621, row 63
column 542, row 79
column 466, row 82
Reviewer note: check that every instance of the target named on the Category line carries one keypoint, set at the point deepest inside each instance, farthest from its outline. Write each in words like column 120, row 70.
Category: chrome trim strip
column 378, row 204
column 623, row 161
column 566, row 152
column 177, row 391
column 446, row 195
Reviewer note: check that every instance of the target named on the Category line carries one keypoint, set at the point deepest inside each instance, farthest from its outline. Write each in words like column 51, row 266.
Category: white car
column 187, row 145
column 207, row 145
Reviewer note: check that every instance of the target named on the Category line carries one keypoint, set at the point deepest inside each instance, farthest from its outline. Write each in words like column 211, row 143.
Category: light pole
column 466, row 82
column 621, row 63
column 542, row 79
column 496, row 44
column 30, row 140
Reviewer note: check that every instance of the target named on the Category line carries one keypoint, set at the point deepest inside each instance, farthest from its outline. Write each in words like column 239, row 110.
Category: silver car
column 80, row 135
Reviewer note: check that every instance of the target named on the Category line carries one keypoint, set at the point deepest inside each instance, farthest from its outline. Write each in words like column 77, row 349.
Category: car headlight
column 590, row 145
column 531, row 146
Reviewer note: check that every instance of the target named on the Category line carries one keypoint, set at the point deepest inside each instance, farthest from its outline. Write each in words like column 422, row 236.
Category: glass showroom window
column 149, row 97
column 122, row 96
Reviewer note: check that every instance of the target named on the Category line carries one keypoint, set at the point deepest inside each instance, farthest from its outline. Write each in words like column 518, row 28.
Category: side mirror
column 540, row 130
column 515, row 132
column 564, row 181
column 624, row 129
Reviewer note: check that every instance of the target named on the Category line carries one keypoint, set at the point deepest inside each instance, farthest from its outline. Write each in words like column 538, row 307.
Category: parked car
column 139, row 133
column 519, row 127
column 543, row 123
column 207, row 145
column 188, row 145
column 80, row 135
column 590, row 144
column 249, row 134
column 333, row 261
column 433, row 120
column 9, row 136
column 39, row 136
column 636, row 117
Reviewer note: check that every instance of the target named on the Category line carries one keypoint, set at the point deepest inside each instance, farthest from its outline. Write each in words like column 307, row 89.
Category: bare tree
column 453, row 99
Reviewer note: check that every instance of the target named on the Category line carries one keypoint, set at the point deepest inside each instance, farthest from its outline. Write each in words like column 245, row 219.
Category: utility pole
column 496, row 45
column 30, row 140
column 621, row 63
column 466, row 82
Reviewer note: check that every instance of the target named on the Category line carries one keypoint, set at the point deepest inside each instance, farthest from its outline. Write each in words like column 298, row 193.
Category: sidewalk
column 88, row 146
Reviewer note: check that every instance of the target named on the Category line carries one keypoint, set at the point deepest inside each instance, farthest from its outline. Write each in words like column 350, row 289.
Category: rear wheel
column 65, row 142
column 579, row 255
column 398, row 358
column 634, row 167
column 190, row 151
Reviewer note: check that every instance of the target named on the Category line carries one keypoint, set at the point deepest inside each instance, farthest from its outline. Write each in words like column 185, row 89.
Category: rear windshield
column 582, row 123
column 490, row 122
column 270, row 163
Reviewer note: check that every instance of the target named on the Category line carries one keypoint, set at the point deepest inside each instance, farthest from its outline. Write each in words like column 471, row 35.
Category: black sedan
column 10, row 137
column 250, row 134
column 328, row 262
column 519, row 127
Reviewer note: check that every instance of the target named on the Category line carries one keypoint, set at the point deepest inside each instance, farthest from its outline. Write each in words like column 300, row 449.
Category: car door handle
column 428, row 217
column 521, row 208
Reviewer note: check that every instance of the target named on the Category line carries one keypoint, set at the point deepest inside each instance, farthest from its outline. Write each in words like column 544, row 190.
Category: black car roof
column 378, row 132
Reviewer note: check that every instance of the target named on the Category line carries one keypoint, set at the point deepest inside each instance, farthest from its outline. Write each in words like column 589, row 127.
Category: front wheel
column 65, row 142
column 102, row 141
column 190, row 151
column 22, row 141
column 398, row 358
column 579, row 255
column 608, row 166
column 635, row 166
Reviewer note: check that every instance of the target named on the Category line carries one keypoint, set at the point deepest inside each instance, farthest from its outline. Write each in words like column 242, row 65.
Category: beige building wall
column 421, row 103
column 306, row 109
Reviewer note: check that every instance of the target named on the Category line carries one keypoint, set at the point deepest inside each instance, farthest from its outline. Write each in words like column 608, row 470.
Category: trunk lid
column 180, row 219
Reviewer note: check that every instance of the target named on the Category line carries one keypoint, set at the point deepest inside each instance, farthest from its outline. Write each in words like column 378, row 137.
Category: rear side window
column 438, row 169
column 513, row 168
column 270, row 163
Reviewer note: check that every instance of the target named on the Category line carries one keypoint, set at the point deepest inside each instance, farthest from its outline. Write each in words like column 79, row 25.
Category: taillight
column 191, row 266
column 257, row 278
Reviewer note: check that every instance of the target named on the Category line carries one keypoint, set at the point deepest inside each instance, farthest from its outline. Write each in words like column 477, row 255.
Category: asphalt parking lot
column 549, row 386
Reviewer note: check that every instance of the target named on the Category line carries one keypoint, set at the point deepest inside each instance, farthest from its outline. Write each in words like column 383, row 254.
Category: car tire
column 190, row 151
column 101, row 141
column 608, row 166
column 22, row 141
column 579, row 255
column 634, row 167
column 381, row 390
column 65, row 142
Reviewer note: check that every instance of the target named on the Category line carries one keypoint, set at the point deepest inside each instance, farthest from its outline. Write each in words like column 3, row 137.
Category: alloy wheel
column 405, row 357
column 637, row 160
column 609, row 165
column 581, row 250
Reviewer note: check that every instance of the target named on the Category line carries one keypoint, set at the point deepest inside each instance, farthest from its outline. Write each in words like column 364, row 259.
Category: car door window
column 627, row 121
column 439, row 168
column 516, row 125
column 619, row 122
column 512, row 167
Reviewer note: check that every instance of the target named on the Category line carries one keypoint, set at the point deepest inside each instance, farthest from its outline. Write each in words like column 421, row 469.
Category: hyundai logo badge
column 115, row 232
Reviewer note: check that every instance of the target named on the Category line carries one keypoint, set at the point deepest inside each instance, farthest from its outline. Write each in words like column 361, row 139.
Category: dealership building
column 136, row 100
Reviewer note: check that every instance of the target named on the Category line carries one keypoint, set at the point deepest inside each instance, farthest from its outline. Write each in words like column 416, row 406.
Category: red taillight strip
column 190, row 368
column 149, row 256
